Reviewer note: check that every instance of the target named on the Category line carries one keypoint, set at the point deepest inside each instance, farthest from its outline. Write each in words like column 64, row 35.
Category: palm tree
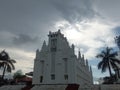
column 109, row 60
column 6, row 63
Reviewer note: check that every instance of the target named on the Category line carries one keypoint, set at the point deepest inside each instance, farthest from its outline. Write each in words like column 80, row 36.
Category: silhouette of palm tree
column 6, row 63
column 108, row 60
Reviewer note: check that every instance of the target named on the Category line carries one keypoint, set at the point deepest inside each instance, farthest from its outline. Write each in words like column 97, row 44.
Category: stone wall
column 49, row 87
column 110, row 87
column 96, row 87
column 61, row 87
column 106, row 87
column 12, row 87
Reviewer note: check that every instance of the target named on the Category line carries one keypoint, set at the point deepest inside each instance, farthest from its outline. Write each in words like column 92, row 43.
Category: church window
column 52, row 76
column 41, row 79
column 53, row 49
column 53, row 62
column 66, row 77
column 42, row 67
column 65, row 64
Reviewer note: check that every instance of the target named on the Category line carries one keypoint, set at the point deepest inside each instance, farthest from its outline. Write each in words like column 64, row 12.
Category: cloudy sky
column 89, row 24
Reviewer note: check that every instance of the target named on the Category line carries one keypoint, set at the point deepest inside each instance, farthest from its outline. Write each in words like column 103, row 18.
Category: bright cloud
column 24, row 59
column 89, row 36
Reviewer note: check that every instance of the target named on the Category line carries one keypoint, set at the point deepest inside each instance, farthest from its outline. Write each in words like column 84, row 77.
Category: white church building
column 56, row 67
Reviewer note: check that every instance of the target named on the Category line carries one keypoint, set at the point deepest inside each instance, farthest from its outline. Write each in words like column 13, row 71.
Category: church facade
column 56, row 64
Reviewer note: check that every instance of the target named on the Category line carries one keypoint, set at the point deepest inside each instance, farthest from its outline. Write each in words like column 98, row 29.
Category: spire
column 37, row 50
column 86, row 62
column 37, row 53
column 44, row 46
column 49, row 32
column 79, row 54
column 90, row 69
column 83, row 57
column 59, row 31
column 91, row 74
column 73, row 47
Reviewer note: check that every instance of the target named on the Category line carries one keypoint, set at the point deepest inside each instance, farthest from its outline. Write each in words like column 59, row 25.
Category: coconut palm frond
column 6, row 62
column 100, row 56
column 108, row 60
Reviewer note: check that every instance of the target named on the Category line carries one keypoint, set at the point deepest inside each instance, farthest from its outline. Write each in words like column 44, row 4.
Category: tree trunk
column 4, row 69
column 109, row 70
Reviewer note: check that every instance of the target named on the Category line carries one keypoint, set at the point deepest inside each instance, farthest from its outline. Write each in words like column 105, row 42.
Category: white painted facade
column 57, row 64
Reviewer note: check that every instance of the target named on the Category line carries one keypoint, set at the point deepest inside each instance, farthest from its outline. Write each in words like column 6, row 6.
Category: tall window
column 41, row 79
column 66, row 77
column 65, row 65
column 52, row 76
column 53, row 62
column 42, row 67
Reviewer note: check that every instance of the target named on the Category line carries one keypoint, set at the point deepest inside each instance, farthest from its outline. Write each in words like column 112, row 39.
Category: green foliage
column 108, row 60
column 18, row 74
column 6, row 62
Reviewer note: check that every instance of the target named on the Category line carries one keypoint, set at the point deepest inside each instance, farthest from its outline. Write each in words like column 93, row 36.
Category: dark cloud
column 37, row 18
column 33, row 16
column 75, row 10
column 109, row 9
column 116, row 30
column 26, row 16
column 23, row 39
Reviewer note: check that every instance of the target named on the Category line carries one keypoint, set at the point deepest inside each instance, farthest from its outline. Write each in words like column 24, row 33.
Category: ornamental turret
column 79, row 55
column 44, row 47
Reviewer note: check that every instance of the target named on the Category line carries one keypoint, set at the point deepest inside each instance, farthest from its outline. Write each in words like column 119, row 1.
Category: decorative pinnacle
column 79, row 54
column 83, row 56
column 86, row 62
column 59, row 31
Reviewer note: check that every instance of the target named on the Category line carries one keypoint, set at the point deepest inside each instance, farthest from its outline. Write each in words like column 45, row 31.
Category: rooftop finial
column 44, row 46
column 86, row 62
column 49, row 32
column 59, row 31
column 83, row 56
column 90, row 69
column 73, row 46
column 37, row 53
column 79, row 54
column 44, row 43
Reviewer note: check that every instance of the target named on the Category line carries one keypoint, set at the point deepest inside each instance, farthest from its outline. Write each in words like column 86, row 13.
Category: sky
column 90, row 25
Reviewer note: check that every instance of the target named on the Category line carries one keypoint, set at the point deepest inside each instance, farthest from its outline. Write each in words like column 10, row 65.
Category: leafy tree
column 108, row 60
column 18, row 74
column 6, row 63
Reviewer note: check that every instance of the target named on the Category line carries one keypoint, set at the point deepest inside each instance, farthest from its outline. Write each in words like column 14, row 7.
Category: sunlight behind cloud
column 88, row 36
